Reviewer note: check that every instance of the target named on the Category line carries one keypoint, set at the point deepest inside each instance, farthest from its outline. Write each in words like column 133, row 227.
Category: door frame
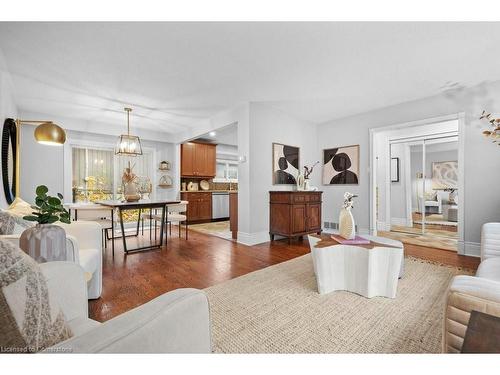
column 460, row 117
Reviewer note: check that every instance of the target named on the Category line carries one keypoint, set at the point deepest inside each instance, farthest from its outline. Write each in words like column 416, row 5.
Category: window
column 227, row 171
column 97, row 173
column 92, row 174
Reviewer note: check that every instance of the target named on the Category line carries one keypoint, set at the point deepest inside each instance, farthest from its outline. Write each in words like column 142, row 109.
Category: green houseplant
column 48, row 209
column 46, row 242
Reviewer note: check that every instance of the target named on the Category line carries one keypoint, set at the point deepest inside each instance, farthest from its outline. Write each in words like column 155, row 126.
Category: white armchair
column 175, row 322
column 480, row 292
column 83, row 246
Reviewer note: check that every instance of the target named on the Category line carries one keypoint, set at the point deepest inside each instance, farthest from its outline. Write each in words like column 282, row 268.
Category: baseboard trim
column 472, row 249
column 251, row 239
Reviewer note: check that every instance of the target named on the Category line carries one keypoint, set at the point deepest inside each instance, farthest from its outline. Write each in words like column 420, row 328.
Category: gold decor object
column 128, row 145
column 48, row 133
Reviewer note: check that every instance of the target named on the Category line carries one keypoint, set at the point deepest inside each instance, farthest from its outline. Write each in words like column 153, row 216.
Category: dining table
column 140, row 205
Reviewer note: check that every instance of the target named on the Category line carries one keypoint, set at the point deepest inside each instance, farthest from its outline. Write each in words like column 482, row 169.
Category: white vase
column 306, row 185
column 346, row 224
column 44, row 243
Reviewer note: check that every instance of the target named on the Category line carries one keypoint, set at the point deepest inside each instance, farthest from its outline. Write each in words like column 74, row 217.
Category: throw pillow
column 30, row 319
column 20, row 207
column 13, row 224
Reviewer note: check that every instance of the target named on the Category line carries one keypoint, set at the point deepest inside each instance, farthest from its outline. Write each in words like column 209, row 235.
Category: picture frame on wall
column 341, row 165
column 285, row 164
column 394, row 169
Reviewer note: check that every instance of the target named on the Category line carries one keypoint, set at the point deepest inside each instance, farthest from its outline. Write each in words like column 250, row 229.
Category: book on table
column 358, row 240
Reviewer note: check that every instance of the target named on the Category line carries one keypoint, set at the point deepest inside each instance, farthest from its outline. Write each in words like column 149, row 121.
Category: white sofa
column 84, row 247
column 175, row 322
column 480, row 292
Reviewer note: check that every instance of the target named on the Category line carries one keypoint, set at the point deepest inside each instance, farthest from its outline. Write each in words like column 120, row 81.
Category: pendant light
column 128, row 145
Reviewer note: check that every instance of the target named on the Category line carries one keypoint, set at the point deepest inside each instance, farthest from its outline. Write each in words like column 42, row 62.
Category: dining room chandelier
column 128, row 145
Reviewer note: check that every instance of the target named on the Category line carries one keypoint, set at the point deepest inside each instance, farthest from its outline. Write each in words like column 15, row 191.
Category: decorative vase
column 130, row 192
column 306, row 184
column 44, row 243
column 300, row 182
column 346, row 224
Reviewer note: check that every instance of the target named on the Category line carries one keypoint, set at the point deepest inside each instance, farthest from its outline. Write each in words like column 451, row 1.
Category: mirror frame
column 9, row 137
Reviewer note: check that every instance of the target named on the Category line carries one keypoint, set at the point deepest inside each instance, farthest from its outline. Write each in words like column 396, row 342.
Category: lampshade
column 128, row 145
column 48, row 133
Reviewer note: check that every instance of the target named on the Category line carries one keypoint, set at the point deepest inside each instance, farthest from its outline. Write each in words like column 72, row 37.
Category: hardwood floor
column 202, row 261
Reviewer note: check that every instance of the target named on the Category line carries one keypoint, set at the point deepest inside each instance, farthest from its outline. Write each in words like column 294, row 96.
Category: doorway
column 416, row 183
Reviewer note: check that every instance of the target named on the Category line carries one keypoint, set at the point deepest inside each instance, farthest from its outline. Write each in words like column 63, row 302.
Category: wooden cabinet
column 294, row 213
column 198, row 160
column 199, row 207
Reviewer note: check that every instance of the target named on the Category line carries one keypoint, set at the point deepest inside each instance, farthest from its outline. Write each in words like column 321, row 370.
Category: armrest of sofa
column 175, row 322
column 467, row 293
column 87, row 233
column 490, row 240
column 66, row 281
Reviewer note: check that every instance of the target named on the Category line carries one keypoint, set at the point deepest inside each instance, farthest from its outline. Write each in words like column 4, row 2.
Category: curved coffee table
column 369, row 270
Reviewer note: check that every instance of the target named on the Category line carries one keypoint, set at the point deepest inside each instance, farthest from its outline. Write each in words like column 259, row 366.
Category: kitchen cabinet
column 199, row 207
column 294, row 213
column 198, row 160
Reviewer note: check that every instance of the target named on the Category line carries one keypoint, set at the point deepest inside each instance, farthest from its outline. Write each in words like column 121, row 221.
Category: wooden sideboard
column 294, row 213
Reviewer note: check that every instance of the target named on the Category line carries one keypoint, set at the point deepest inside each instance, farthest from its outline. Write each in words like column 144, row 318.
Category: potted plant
column 46, row 241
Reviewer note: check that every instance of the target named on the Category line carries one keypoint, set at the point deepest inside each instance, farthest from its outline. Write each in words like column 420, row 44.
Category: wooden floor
column 202, row 261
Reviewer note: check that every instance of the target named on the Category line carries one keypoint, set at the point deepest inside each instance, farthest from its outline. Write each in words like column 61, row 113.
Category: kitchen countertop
column 209, row 191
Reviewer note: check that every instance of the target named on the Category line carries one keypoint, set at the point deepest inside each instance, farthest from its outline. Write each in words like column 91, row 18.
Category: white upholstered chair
column 480, row 292
column 175, row 322
column 177, row 213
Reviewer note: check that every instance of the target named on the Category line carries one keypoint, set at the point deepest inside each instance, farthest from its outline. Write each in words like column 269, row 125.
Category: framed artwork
column 285, row 164
column 394, row 169
column 341, row 165
column 444, row 175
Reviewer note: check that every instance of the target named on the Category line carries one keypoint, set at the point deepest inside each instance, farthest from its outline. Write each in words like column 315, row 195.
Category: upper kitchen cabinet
column 198, row 160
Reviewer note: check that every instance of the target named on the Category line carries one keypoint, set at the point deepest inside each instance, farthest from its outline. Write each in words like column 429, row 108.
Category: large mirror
column 9, row 159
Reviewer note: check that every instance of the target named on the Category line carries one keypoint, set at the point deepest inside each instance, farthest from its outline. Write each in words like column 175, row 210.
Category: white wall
column 399, row 190
column 481, row 157
column 8, row 109
column 268, row 125
column 52, row 166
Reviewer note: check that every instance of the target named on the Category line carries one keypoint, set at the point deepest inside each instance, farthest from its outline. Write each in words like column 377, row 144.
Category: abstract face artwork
column 341, row 165
column 285, row 164
column 445, row 174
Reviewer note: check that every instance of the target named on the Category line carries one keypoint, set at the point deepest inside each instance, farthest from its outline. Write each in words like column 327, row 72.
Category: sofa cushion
column 88, row 259
column 79, row 326
column 489, row 269
column 30, row 318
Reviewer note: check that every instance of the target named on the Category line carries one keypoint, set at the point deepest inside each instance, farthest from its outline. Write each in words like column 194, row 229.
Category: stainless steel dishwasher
column 220, row 205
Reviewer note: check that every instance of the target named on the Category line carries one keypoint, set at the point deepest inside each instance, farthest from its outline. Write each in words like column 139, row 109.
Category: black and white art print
column 285, row 164
column 341, row 165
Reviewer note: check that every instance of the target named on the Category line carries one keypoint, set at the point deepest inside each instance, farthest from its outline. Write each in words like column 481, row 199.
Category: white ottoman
column 369, row 270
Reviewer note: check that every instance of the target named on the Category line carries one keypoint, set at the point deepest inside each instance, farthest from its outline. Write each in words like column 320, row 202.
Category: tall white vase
column 346, row 224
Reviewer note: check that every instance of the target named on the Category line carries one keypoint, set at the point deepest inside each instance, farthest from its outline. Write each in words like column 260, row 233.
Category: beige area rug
column 216, row 228
column 427, row 240
column 278, row 310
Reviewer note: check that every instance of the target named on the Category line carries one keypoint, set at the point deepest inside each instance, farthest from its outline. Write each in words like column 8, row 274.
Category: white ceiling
column 176, row 74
